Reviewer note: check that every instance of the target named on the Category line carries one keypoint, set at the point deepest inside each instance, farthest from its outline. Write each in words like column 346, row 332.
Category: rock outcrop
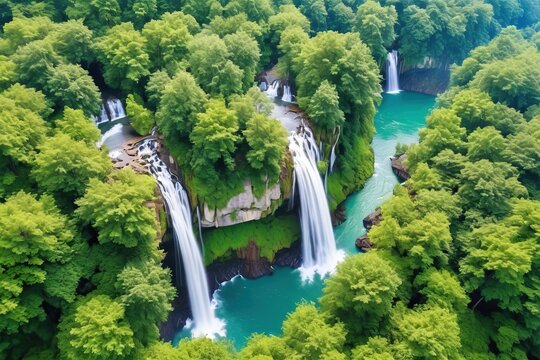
column 399, row 168
column 253, row 265
column 363, row 243
column 426, row 81
column 339, row 215
column 127, row 155
column 290, row 257
column 250, row 265
column 373, row 219
column 242, row 207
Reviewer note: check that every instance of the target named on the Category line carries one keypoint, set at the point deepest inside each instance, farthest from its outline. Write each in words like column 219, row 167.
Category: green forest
column 455, row 268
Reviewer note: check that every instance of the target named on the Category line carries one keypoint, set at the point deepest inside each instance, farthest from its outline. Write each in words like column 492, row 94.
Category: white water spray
column 392, row 76
column 272, row 90
column 287, row 95
column 116, row 129
column 205, row 323
column 319, row 251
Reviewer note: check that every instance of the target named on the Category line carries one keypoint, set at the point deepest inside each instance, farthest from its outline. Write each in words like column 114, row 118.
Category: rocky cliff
column 243, row 207
column 427, row 81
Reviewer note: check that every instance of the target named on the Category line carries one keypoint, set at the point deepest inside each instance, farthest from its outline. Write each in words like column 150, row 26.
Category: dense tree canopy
column 117, row 209
column 70, row 85
column 122, row 50
column 454, row 269
column 65, row 166
column 375, row 23
column 33, row 234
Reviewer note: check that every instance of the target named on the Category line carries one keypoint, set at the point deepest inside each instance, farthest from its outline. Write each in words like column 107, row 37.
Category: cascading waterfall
column 263, row 86
column 205, row 323
column 102, row 117
column 287, row 95
column 272, row 90
column 392, row 76
column 319, row 251
column 116, row 129
column 116, row 109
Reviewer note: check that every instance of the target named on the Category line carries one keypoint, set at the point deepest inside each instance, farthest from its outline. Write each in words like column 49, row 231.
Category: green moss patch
column 270, row 234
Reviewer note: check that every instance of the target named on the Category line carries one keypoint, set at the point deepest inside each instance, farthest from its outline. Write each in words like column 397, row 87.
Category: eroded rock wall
column 243, row 207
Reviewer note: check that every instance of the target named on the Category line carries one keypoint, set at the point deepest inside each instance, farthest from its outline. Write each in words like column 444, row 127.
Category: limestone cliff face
column 243, row 207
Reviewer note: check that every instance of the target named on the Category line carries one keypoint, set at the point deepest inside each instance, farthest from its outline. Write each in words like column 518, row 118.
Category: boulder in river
column 363, row 243
column 339, row 215
column 399, row 168
column 373, row 219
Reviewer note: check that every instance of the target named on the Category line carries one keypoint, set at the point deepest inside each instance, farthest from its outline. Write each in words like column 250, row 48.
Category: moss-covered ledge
column 270, row 235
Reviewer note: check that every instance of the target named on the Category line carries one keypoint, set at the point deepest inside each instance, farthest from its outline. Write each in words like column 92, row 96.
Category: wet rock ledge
column 399, row 167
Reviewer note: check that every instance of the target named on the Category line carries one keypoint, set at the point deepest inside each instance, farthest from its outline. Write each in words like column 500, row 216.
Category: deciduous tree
column 78, row 126
column 117, row 209
column 360, row 293
column 122, row 51
column 267, row 140
column 71, row 86
column 182, row 99
column 65, row 166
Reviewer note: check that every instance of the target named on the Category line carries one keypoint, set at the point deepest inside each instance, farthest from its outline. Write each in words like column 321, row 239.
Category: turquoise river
column 260, row 306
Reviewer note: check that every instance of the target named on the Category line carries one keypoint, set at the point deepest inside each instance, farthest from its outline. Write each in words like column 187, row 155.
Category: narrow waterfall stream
column 116, row 109
column 287, row 95
column 319, row 252
column 333, row 152
column 392, row 75
column 204, row 322
column 272, row 90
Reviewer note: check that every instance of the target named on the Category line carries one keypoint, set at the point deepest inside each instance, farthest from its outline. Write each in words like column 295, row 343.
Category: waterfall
column 204, row 320
column 116, row 109
column 287, row 95
column 293, row 187
column 116, row 129
column 318, row 244
column 333, row 153
column 392, row 76
column 102, row 117
column 272, row 90
column 263, row 86
column 200, row 229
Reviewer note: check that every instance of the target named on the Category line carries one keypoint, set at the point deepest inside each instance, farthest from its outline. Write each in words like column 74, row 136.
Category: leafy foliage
column 361, row 293
column 182, row 99
column 141, row 118
column 96, row 329
column 122, row 50
column 78, row 126
column 33, row 234
column 147, row 295
column 66, row 166
column 71, row 86
column 117, row 208
column 375, row 24
column 267, row 140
